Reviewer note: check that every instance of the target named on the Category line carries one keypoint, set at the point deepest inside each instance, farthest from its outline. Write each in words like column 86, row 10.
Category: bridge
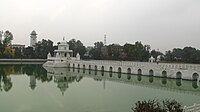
column 170, row 70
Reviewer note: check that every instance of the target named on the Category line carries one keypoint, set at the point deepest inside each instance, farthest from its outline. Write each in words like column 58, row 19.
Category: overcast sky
column 163, row 24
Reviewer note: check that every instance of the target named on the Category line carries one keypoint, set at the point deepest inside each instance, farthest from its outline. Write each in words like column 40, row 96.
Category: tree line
column 127, row 52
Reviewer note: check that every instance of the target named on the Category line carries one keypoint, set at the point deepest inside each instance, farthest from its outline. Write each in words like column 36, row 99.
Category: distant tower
column 104, row 40
column 33, row 40
column 1, row 35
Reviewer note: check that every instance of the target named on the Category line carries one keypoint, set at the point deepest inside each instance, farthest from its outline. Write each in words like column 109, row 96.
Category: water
column 31, row 88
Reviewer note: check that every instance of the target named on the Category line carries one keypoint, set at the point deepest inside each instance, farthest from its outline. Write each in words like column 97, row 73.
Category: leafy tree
column 29, row 53
column 96, row 51
column 43, row 47
column 98, row 45
column 187, row 54
column 137, row 51
column 9, row 52
column 116, row 52
column 155, row 53
column 18, row 53
column 8, row 37
column 77, row 47
column 147, row 106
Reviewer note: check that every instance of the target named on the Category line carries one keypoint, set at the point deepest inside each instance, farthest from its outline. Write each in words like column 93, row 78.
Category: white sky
column 163, row 24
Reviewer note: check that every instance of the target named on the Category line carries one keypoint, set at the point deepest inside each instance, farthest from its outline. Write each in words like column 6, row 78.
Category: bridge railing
column 192, row 108
column 141, row 64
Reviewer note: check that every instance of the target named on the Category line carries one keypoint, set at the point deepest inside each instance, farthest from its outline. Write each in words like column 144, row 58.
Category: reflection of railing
column 192, row 108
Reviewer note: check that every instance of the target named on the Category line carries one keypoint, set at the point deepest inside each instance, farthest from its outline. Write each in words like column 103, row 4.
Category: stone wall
column 171, row 70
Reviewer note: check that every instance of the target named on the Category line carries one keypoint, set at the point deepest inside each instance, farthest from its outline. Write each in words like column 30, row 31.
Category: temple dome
column 33, row 32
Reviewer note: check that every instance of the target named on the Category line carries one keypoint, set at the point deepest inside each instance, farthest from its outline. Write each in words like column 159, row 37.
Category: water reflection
column 151, row 79
column 65, row 76
column 178, row 82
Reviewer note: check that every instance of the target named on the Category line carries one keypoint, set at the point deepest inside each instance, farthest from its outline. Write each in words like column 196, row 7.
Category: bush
column 156, row 106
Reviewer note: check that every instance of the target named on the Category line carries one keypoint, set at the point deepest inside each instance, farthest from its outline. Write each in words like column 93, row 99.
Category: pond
column 32, row 88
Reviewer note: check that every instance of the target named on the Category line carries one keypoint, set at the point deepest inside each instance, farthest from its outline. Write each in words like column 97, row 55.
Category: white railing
column 192, row 108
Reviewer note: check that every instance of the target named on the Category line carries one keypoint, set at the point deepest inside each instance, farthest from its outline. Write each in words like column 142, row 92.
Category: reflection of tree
column 7, row 83
column 38, row 71
column 5, row 78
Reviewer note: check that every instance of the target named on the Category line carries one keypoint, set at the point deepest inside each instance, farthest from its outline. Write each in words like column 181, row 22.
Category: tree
column 8, row 37
column 137, row 51
column 96, row 51
column 155, row 53
column 29, row 53
column 187, row 54
column 116, row 52
column 44, row 47
column 147, row 106
column 9, row 52
column 77, row 47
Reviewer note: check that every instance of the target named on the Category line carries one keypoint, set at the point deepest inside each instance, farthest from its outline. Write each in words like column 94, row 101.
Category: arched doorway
column 129, row 71
column 151, row 72
column 119, row 70
column 164, row 74
column 195, row 76
column 110, row 69
column 139, row 71
column 178, row 75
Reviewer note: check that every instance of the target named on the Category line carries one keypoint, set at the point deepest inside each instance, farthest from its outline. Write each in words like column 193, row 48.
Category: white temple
column 61, row 56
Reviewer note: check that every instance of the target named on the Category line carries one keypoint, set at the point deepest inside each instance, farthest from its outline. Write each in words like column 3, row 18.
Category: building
column 18, row 46
column 33, row 39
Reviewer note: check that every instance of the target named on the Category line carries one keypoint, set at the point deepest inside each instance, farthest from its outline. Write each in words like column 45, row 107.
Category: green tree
column 8, row 37
column 96, row 51
column 29, row 52
column 77, row 47
column 43, row 47
column 137, row 51
column 155, row 53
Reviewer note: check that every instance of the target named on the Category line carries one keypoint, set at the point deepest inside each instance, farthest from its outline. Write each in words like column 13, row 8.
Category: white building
column 33, row 39
column 61, row 56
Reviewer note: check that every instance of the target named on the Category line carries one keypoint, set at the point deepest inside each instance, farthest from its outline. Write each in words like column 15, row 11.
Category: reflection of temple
column 62, row 77
column 62, row 82
column 174, row 85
